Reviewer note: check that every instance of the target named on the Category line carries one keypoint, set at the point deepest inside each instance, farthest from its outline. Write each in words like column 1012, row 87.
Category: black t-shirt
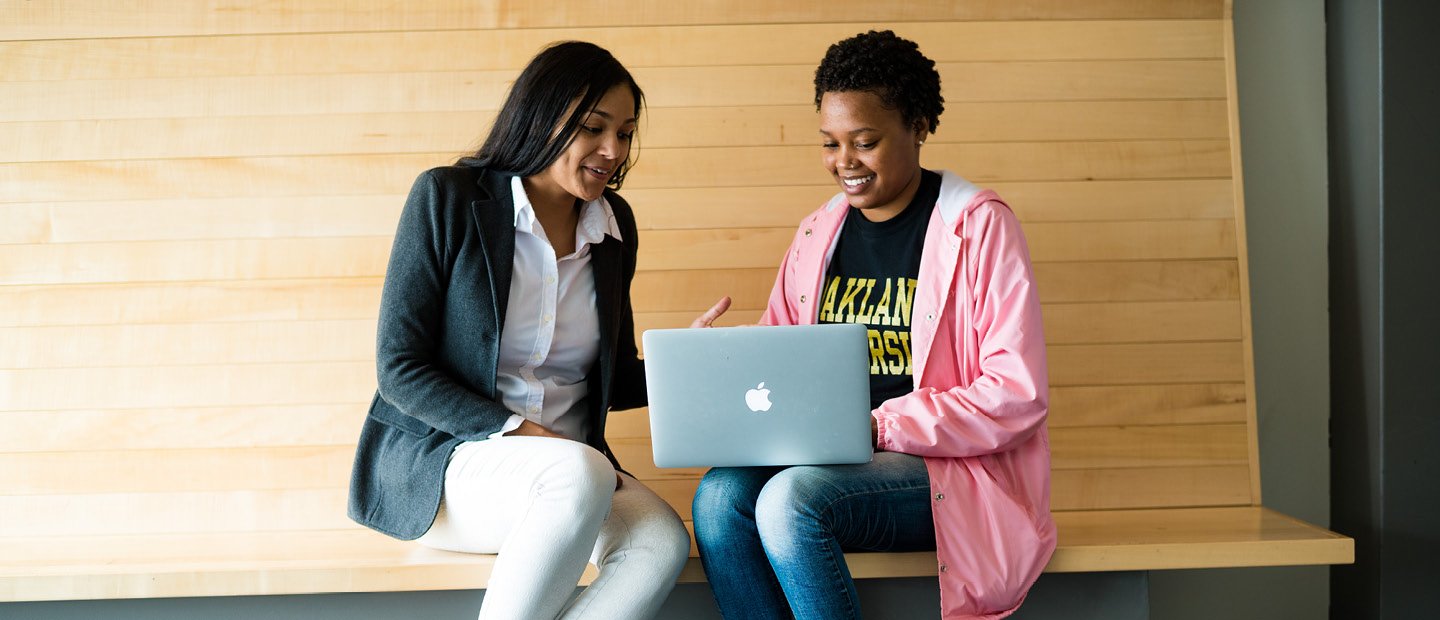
column 871, row 280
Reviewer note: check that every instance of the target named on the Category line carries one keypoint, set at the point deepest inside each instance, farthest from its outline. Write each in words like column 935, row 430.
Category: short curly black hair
column 889, row 66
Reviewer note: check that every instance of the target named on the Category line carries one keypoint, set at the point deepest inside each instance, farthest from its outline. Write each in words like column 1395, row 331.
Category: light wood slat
column 194, row 260
column 1152, row 448
column 659, row 11
column 1076, row 241
column 662, row 168
column 1148, row 446
column 316, row 299
column 187, row 343
column 210, row 218
column 185, row 386
column 424, row 132
column 140, row 583
column 308, row 425
column 1126, row 364
column 635, row 457
column 653, row 291
column 1232, row 97
column 714, row 248
column 77, row 19
column 981, row 163
column 249, row 426
column 482, row 50
column 227, row 385
column 1179, row 199
column 187, row 302
column 961, row 122
column 1149, row 487
column 434, row 91
column 1137, row 281
column 688, row 208
column 724, row 207
column 173, row 513
column 1141, row 405
column 655, row 209
column 1064, row 323
column 662, row 250
column 244, row 177
column 150, row 471
column 1049, row 242
column 1075, row 407
column 1141, row 322
column 1071, row 489
column 1191, row 538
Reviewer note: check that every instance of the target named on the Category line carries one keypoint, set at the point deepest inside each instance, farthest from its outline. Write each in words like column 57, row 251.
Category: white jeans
column 547, row 506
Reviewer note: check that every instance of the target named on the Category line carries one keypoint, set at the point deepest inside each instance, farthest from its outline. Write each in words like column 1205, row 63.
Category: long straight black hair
column 524, row 140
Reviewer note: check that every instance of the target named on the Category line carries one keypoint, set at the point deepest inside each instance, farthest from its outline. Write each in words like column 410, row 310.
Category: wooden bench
column 194, row 227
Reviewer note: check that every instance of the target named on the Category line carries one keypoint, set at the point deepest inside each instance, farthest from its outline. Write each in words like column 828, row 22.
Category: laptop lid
column 744, row 396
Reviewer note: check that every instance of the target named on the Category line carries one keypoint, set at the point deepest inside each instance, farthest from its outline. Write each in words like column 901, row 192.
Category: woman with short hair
column 938, row 271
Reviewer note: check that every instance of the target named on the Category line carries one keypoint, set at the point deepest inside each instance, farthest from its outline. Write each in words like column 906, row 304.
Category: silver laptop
column 741, row 396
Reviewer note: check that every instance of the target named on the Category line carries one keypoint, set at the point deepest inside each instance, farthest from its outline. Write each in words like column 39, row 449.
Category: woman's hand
column 531, row 429
column 709, row 316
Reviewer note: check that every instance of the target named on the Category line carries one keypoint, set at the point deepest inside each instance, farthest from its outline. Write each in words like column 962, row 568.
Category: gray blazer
column 442, row 310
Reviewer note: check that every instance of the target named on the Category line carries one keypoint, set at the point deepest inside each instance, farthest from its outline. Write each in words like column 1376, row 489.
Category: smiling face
column 873, row 155
column 596, row 152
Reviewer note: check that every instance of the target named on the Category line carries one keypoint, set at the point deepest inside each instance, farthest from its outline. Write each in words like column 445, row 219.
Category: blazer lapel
column 495, row 218
column 605, row 265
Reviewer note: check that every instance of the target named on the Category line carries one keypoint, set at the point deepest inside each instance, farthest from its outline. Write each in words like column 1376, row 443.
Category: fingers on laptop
column 709, row 316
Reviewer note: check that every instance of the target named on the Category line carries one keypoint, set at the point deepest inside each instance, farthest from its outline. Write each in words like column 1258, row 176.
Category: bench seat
column 357, row 560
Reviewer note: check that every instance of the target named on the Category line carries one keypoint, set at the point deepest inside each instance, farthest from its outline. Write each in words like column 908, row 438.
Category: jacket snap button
column 929, row 317
column 942, row 568
column 939, row 496
column 807, row 232
column 802, row 299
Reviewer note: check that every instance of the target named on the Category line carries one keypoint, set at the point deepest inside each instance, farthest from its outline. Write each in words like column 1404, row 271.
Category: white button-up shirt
column 552, row 331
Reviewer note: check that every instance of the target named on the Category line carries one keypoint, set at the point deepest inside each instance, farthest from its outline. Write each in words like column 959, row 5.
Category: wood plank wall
column 197, row 198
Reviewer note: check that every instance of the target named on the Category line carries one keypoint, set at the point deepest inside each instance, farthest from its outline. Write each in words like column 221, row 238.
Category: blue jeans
column 772, row 539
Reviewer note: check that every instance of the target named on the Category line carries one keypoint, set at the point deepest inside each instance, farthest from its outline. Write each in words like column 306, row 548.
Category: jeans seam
column 834, row 562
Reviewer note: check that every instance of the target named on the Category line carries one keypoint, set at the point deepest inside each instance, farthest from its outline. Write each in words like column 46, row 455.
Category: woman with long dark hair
column 937, row 269
column 505, row 336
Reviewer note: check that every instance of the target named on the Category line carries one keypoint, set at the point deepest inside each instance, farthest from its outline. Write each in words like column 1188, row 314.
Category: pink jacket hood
column 978, row 410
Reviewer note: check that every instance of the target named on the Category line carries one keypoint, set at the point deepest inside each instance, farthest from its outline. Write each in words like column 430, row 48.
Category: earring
column 919, row 143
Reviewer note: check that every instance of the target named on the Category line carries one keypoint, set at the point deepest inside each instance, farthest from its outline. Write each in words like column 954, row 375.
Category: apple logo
column 758, row 399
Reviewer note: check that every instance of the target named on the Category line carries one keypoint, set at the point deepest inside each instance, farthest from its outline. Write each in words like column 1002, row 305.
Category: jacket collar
column 956, row 198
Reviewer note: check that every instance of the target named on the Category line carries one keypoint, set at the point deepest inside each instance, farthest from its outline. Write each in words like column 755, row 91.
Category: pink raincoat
column 978, row 411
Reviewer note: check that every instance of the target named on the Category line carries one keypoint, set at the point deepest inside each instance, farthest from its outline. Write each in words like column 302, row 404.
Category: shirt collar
column 597, row 219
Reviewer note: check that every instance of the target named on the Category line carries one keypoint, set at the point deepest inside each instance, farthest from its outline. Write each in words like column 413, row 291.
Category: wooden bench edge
column 1276, row 540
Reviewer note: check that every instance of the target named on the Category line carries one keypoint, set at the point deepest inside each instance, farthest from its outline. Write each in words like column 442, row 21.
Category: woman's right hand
column 709, row 316
column 531, row 429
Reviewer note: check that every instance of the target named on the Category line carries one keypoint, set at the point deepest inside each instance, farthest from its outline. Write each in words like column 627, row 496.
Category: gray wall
column 1280, row 46
column 1280, row 75
column 1384, row 160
